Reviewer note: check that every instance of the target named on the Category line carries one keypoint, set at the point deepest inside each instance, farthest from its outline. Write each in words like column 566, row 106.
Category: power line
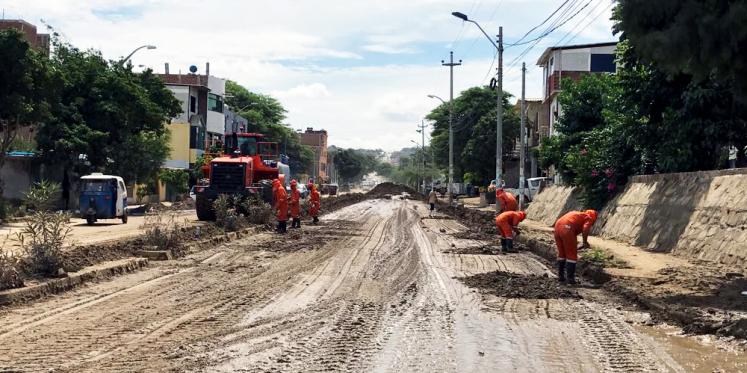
column 591, row 21
column 541, row 23
column 552, row 28
column 581, row 21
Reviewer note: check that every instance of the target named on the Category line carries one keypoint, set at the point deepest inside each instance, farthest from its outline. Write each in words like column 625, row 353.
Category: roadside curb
column 195, row 246
column 73, row 280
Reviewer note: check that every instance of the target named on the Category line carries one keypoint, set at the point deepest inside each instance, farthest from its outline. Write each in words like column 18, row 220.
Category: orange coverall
column 506, row 221
column 316, row 202
column 295, row 201
column 281, row 200
column 566, row 230
column 507, row 200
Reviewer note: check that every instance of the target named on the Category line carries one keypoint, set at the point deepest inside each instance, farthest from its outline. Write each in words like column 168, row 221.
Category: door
column 122, row 200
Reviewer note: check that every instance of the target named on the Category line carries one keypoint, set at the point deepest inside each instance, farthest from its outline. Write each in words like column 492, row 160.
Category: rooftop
column 546, row 54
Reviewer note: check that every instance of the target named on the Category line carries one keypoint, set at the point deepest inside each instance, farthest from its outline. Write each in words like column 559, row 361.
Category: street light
column 133, row 52
column 499, row 103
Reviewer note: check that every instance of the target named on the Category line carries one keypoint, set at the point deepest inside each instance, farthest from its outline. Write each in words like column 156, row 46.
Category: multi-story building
column 571, row 61
column 39, row 41
column 202, row 122
column 317, row 140
column 537, row 128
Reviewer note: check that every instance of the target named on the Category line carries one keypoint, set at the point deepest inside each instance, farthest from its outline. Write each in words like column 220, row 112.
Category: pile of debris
column 385, row 190
column 514, row 285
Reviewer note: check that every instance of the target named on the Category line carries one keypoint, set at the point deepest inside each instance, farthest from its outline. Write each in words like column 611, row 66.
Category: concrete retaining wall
column 553, row 202
column 699, row 215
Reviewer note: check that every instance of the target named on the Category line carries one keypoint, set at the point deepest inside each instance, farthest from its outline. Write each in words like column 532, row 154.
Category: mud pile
column 383, row 190
column 335, row 203
column 481, row 223
column 513, row 285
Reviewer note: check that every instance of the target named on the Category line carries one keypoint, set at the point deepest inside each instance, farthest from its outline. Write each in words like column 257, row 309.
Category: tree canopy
column 24, row 94
column 474, row 133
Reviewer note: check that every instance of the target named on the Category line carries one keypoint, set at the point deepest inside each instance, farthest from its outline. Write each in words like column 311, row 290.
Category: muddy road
column 373, row 288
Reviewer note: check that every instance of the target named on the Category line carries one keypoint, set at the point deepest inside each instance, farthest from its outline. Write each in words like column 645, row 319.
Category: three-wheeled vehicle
column 103, row 197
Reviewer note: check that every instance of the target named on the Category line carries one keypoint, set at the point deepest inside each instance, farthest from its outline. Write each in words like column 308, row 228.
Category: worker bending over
column 566, row 230
column 316, row 202
column 507, row 224
column 280, row 197
column 295, row 205
column 507, row 200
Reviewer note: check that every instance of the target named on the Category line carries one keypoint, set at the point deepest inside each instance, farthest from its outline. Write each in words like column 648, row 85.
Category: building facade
column 202, row 121
column 571, row 61
column 317, row 141
column 39, row 41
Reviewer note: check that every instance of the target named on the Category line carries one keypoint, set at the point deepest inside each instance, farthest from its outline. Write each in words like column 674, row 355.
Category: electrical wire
column 590, row 22
column 581, row 21
column 542, row 23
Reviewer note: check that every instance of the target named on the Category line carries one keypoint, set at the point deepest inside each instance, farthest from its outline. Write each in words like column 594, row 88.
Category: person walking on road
column 295, row 205
column 316, row 203
column 507, row 224
column 432, row 199
column 566, row 230
column 507, row 200
column 281, row 205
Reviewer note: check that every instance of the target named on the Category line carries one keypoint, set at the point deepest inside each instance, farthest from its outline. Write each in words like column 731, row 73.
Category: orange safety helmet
column 592, row 214
column 522, row 215
column 294, row 183
column 275, row 184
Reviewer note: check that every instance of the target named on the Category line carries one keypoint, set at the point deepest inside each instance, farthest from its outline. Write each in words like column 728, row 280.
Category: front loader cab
column 243, row 144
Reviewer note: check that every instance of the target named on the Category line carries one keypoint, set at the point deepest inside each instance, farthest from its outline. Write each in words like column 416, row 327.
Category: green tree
column 24, row 93
column 703, row 38
column 474, row 132
column 109, row 113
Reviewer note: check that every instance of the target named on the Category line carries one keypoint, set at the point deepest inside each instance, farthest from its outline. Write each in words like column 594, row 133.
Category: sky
column 361, row 69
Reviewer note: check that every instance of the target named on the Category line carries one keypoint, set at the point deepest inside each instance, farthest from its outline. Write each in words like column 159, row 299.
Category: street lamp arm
column 122, row 62
column 485, row 33
column 438, row 98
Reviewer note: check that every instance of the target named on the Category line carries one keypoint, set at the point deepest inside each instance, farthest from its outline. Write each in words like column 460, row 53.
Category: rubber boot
column 284, row 226
column 561, row 270
column 504, row 245
column 316, row 219
column 571, row 272
column 510, row 245
column 298, row 222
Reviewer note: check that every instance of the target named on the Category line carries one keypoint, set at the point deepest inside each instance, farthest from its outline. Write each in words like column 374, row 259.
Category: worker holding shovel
column 507, row 224
column 566, row 229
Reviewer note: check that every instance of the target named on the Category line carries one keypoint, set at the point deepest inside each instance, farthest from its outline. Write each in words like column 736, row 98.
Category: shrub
column 42, row 239
column 10, row 277
column 162, row 231
column 256, row 210
column 42, row 195
column 226, row 215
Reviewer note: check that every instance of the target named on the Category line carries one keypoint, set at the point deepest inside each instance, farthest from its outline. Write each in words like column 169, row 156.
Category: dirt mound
column 384, row 189
column 513, row 285
column 335, row 203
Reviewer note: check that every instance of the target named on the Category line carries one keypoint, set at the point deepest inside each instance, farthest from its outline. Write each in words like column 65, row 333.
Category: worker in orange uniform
column 316, row 202
column 507, row 200
column 280, row 197
column 507, row 223
column 295, row 205
column 566, row 230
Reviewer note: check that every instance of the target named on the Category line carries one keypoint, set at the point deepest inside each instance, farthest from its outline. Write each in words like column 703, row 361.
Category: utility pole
column 451, row 65
column 422, row 147
column 499, row 120
column 522, row 136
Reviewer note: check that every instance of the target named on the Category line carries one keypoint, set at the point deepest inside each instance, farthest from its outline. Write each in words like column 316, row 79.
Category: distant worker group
column 566, row 230
column 283, row 204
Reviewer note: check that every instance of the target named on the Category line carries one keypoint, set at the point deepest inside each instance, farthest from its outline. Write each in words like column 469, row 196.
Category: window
column 94, row 185
column 603, row 63
column 215, row 103
column 196, row 138
column 192, row 104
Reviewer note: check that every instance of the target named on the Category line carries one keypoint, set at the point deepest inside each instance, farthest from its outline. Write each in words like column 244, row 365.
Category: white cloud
column 322, row 59
column 314, row 90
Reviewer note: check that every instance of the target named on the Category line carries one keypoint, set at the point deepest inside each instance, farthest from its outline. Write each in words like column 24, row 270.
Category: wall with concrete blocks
column 552, row 203
column 699, row 215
